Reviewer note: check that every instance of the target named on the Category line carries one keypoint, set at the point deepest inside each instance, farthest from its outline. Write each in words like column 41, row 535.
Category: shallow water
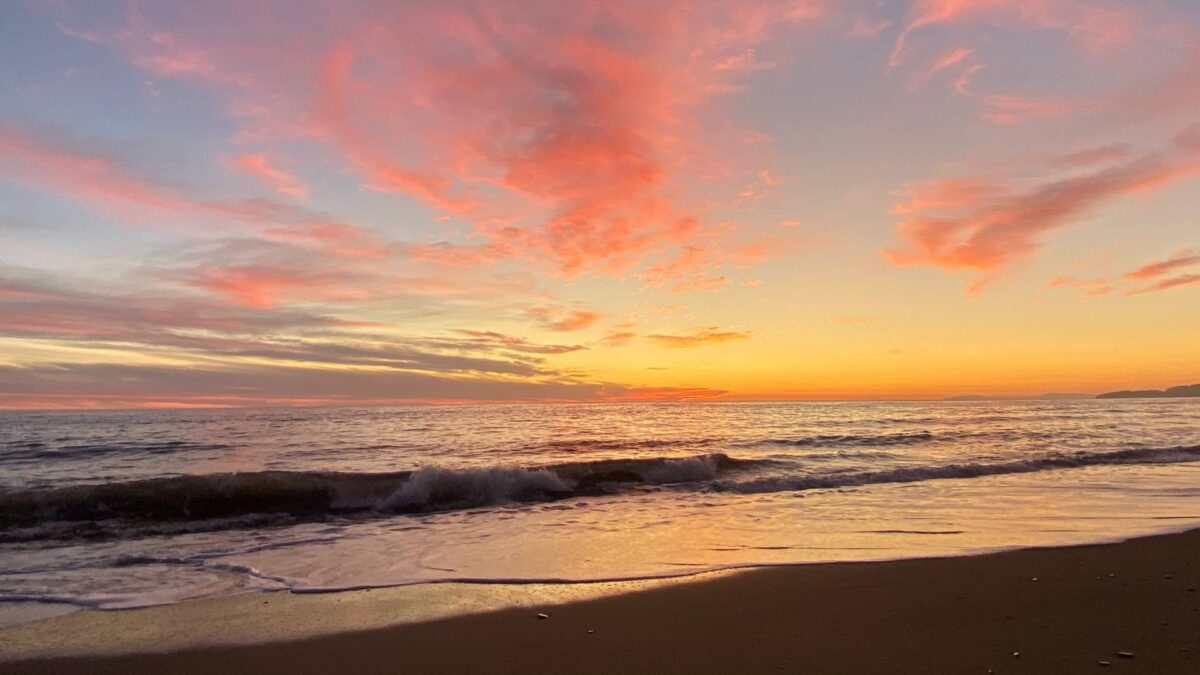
column 122, row 509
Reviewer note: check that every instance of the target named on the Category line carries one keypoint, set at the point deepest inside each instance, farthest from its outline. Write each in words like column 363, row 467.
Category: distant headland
column 1183, row 391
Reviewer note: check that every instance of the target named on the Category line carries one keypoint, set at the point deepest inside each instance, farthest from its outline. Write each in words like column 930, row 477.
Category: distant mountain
column 1185, row 391
column 1057, row 396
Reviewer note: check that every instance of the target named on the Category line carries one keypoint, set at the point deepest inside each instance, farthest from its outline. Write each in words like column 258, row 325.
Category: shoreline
column 1062, row 609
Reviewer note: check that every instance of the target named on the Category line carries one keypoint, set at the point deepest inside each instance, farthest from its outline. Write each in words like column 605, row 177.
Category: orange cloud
column 692, row 260
column 988, row 226
column 699, row 338
column 516, row 344
column 617, row 339
column 643, row 394
column 560, row 319
column 282, row 181
column 945, row 194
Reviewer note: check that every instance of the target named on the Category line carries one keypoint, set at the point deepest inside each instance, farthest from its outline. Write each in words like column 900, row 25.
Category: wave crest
column 233, row 501
column 304, row 495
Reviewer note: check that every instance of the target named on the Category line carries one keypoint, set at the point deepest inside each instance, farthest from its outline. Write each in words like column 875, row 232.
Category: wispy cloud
column 1092, row 288
column 1184, row 258
column 698, row 338
column 947, row 60
column 193, row 351
column 1093, row 26
column 53, row 160
column 1016, row 109
column 1181, row 260
column 1173, row 267
column 617, row 338
column 263, row 166
column 1167, row 284
column 120, row 385
column 986, row 225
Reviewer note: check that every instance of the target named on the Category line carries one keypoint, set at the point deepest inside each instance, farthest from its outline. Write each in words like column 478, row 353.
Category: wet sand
column 1064, row 610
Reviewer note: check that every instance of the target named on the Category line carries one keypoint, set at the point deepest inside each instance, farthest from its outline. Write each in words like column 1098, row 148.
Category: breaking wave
column 239, row 500
column 230, row 500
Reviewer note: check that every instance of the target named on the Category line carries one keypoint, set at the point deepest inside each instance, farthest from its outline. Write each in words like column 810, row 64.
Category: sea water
column 115, row 509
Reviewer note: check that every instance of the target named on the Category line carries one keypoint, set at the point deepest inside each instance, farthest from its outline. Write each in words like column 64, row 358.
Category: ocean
column 119, row 509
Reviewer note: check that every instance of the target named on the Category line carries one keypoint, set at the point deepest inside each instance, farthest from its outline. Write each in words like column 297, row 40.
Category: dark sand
column 957, row 615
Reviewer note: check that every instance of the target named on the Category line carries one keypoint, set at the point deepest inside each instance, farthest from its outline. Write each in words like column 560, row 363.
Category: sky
column 306, row 203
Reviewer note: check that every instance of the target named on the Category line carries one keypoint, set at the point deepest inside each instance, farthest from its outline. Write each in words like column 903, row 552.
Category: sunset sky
column 248, row 203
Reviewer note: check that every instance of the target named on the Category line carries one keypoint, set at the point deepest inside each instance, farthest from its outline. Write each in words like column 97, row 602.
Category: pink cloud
column 947, row 60
column 1184, row 258
column 37, row 160
column 962, row 84
column 257, row 286
column 282, row 181
column 1173, row 94
column 1016, row 109
column 692, row 270
column 562, row 135
column 746, row 61
column 1096, row 156
column 1179, row 261
column 865, row 28
column 1166, row 284
column 1091, row 25
column 988, row 226
column 60, row 163
column 769, row 178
